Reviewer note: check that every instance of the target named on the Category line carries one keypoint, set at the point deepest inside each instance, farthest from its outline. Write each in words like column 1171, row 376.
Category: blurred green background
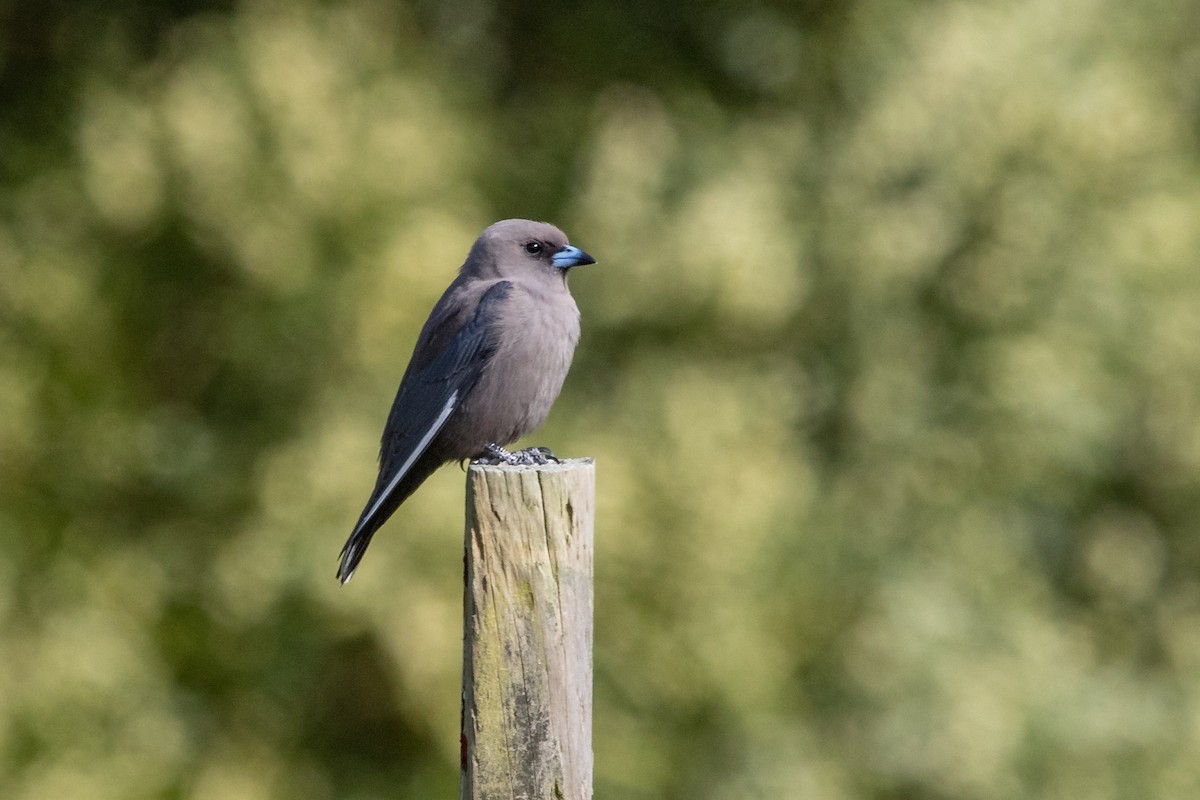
column 891, row 368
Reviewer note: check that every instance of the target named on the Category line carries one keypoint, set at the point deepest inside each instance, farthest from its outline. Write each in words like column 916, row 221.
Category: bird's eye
column 533, row 248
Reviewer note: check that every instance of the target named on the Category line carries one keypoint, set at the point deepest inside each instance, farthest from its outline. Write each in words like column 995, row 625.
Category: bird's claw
column 530, row 456
column 495, row 455
column 536, row 455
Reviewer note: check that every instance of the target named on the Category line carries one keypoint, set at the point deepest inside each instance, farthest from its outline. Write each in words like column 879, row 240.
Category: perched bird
column 486, row 368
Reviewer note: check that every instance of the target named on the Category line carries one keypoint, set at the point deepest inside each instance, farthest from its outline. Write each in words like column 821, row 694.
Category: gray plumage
column 486, row 368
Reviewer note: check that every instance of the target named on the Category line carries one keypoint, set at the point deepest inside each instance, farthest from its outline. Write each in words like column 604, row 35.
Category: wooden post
column 527, row 635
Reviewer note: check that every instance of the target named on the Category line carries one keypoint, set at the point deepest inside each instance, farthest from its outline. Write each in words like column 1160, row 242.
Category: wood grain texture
column 527, row 636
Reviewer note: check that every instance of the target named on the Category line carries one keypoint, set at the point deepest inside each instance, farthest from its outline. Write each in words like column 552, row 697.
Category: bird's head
column 514, row 247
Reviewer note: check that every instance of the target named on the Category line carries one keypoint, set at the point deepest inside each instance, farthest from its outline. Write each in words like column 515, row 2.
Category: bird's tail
column 376, row 513
column 352, row 552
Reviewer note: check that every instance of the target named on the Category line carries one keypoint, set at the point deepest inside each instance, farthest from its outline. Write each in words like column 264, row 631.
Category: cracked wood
column 527, row 637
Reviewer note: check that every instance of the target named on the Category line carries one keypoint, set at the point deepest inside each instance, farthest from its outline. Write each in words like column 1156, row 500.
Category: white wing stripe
column 416, row 453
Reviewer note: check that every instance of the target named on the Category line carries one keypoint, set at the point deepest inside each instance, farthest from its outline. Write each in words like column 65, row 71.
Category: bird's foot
column 496, row 455
column 530, row 456
column 537, row 455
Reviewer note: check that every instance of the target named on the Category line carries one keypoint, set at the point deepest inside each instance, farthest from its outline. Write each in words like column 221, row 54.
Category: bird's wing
column 429, row 395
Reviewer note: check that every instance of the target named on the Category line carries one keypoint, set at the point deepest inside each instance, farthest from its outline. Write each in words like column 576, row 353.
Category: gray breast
column 538, row 331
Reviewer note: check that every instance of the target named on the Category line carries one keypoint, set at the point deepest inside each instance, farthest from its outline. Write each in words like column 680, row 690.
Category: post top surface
column 566, row 465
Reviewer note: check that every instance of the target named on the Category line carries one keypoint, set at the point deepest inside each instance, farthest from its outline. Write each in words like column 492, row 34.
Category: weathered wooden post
column 527, row 635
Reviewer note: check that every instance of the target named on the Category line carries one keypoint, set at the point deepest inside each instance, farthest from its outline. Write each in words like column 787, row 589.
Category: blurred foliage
column 891, row 367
